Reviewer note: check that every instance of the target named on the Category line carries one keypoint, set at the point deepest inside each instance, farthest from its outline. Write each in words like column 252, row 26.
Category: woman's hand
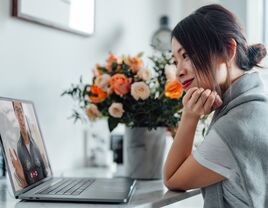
column 198, row 102
column 180, row 170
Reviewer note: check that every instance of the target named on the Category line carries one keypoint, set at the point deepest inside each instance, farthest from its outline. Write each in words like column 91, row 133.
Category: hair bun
column 256, row 53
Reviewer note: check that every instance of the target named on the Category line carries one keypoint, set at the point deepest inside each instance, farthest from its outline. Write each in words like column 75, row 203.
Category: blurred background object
column 96, row 145
column 68, row 15
column 161, row 38
column 117, row 147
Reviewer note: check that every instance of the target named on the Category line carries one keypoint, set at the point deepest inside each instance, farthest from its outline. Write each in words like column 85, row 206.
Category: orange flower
column 98, row 96
column 111, row 59
column 135, row 63
column 174, row 89
column 120, row 84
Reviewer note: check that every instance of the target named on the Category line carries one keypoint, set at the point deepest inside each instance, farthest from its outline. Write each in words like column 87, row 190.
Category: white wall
column 38, row 63
column 179, row 9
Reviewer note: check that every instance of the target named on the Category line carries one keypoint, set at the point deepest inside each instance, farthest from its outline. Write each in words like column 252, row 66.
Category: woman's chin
column 187, row 88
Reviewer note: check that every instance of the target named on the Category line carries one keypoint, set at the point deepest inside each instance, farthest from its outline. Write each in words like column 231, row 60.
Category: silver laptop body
column 29, row 169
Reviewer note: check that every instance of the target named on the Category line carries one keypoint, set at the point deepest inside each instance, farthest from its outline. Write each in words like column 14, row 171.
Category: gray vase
column 144, row 152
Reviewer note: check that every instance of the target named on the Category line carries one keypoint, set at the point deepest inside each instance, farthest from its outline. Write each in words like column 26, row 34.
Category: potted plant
column 148, row 100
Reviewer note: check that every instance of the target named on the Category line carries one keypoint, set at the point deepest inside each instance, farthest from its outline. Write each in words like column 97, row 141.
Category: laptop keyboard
column 67, row 187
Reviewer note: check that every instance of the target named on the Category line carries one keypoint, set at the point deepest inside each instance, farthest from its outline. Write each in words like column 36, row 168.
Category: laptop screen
column 26, row 157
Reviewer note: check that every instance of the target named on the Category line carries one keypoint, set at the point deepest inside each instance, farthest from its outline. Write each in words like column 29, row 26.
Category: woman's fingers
column 218, row 102
column 201, row 102
column 199, row 107
column 188, row 95
column 195, row 97
column 205, row 96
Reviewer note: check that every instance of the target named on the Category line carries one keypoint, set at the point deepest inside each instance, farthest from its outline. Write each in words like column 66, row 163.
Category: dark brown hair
column 13, row 104
column 205, row 35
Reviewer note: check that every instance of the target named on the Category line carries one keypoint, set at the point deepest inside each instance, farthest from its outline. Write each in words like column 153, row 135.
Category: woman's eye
column 173, row 61
column 185, row 55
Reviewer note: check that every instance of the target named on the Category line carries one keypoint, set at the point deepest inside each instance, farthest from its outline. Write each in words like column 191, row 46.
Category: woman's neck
column 234, row 74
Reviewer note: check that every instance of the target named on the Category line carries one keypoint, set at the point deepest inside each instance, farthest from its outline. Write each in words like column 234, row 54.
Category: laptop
column 29, row 169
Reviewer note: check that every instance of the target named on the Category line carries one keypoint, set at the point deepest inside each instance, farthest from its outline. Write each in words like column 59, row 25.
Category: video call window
column 23, row 145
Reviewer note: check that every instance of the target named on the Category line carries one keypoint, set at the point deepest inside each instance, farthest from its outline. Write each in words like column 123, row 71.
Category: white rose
column 168, row 55
column 145, row 74
column 102, row 81
column 140, row 90
column 170, row 72
column 93, row 112
column 116, row 110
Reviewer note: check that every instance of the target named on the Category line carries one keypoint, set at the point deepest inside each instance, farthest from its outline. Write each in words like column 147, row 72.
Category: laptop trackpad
column 110, row 188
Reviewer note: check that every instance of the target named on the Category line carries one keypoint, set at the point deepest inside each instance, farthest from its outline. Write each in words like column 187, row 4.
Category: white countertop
column 147, row 193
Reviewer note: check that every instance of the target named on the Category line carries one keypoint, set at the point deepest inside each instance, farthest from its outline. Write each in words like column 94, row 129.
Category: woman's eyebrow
column 179, row 50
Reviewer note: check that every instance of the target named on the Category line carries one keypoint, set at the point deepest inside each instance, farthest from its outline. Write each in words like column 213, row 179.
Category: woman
column 213, row 63
column 28, row 162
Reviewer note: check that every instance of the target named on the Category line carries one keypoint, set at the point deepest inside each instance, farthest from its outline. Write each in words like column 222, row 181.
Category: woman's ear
column 232, row 49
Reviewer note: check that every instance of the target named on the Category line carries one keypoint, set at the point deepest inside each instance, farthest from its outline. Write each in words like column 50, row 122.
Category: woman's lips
column 187, row 84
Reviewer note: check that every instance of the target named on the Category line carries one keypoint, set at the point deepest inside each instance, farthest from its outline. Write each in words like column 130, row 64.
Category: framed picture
column 76, row 16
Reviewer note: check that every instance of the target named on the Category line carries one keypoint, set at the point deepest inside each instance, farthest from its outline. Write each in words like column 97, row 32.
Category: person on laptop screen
column 28, row 162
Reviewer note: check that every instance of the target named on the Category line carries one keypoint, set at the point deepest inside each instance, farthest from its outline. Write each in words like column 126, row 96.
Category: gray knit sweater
column 242, row 123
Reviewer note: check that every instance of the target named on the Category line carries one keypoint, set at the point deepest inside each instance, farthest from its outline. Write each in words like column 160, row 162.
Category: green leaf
column 112, row 123
column 103, row 69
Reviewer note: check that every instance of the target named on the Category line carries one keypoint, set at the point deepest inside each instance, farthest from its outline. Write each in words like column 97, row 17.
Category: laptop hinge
column 33, row 186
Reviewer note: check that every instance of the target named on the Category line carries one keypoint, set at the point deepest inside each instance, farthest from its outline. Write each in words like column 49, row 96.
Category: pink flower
column 145, row 74
column 140, row 90
column 102, row 81
column 170, row 72
column 111, row 59
column 135, row 63
column 93, row 112
column 116, row 110
column 120, row 84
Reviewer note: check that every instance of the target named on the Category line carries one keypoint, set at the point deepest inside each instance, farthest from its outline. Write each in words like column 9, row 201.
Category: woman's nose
column 180, row 72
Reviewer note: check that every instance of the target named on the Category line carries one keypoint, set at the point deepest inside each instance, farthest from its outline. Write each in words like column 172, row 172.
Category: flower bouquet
column 125, row 91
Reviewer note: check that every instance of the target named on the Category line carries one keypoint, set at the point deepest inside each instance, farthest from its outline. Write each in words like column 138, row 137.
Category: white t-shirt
column 215, row 155
column 28, row 148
